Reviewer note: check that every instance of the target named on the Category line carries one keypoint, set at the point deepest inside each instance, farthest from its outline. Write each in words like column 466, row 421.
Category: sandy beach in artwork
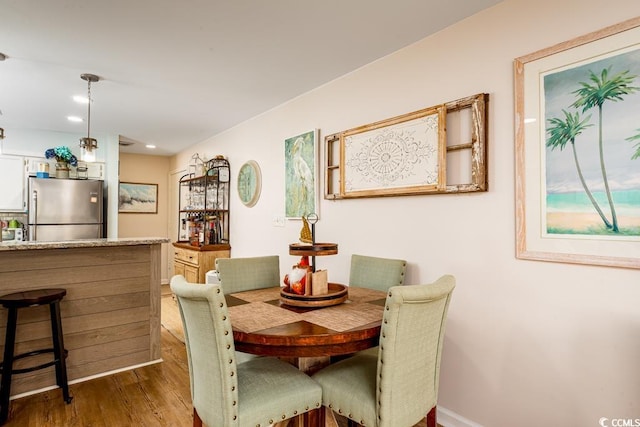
column 585, row 221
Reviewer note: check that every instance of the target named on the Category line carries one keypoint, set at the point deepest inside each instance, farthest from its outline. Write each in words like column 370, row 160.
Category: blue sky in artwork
column 620, row 120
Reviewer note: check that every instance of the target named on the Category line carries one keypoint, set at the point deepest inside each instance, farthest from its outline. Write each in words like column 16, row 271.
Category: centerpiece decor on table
column 64, row 158
column 304, row 286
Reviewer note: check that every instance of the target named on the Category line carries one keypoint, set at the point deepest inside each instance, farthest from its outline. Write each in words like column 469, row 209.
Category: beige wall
column 147, row 170
column 528, row 343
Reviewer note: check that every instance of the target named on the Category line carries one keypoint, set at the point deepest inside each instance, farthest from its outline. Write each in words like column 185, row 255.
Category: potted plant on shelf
column 64, row 158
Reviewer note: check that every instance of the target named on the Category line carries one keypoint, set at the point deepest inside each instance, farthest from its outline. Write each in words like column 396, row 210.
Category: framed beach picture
column 137, row 198
column 301, row 175
column 578, row 150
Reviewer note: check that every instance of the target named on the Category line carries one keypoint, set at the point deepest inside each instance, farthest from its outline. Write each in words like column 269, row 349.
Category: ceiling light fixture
column 88, row 145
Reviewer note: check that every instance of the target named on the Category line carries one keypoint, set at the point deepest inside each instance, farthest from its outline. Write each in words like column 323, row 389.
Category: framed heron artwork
column 301, row 174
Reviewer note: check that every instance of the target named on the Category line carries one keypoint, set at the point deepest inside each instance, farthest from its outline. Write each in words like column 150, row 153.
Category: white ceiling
column 174, row 73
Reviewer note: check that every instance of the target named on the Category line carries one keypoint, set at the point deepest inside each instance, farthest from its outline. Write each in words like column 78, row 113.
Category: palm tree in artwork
column 594, row 94
column 633, row 138
column 562, row 131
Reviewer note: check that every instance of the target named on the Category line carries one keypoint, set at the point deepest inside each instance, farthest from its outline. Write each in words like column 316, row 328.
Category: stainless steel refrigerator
column 65, row 209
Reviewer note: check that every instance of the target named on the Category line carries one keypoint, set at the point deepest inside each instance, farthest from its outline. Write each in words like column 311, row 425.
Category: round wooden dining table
column 307, row 337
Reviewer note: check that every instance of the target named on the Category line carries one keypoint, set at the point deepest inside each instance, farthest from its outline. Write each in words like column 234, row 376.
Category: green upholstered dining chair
column 245, row 274
column 226, row 394
column 376, row 273
column 399, row 386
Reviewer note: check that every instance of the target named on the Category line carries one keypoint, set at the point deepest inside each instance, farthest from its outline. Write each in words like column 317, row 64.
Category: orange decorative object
column 298, row 288
column 295, row 281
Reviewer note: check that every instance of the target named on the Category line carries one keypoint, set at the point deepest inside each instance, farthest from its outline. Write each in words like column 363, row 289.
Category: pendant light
column 88, row 145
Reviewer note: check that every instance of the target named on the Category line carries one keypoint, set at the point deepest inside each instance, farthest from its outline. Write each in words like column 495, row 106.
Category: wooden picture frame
column 137, row 198
column 301, row 175
column 461, row 152
column 576, row 127
column 401, row 155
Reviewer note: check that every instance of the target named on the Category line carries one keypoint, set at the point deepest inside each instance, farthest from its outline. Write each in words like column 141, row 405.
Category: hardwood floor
column 155, row 395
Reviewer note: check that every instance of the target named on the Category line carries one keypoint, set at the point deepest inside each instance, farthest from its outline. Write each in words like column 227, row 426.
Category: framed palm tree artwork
column 577, row 119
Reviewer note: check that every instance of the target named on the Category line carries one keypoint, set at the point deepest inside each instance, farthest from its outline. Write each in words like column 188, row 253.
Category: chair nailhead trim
column 218, row 290
column 295, row 412
column 270, row 421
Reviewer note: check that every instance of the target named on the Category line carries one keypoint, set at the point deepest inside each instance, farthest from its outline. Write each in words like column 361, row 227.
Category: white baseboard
column 447, row 418
column 90, row 377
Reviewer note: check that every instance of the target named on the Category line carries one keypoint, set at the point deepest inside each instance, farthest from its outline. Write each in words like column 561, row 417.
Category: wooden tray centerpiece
column 317, row 249
column 306, row 287
column 337, row 294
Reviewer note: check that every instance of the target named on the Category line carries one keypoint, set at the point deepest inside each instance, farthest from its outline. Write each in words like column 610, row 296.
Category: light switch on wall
column 278, row 221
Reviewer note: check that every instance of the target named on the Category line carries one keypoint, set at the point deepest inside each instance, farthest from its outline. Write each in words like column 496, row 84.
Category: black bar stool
column 12, row 302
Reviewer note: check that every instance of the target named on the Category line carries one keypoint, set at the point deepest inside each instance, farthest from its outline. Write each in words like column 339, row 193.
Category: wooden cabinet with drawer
column 194, row 262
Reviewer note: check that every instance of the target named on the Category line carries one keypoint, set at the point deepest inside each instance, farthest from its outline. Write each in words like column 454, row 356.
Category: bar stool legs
column 12, row 303
column 59, row 351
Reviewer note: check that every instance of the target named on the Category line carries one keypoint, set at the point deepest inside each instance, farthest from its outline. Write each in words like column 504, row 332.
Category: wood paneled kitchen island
column 110, row 315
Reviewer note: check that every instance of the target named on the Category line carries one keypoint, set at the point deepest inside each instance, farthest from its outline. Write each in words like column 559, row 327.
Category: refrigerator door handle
column 34, row 205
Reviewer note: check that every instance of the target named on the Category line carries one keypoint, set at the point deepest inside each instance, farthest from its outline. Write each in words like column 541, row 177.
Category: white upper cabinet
column 88, row 170
column 94, row 170
column 12, row 184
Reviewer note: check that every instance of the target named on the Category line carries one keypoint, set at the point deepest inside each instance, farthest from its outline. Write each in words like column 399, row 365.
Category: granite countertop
column 88, row 243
